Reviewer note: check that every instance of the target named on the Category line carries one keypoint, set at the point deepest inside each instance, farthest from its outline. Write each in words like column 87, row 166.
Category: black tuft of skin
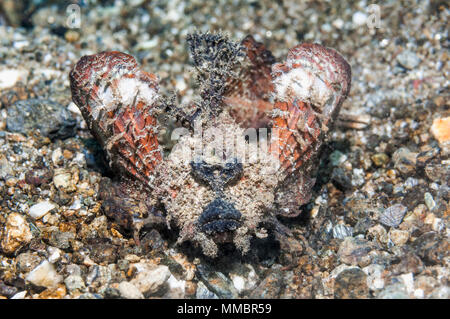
column 214, row 57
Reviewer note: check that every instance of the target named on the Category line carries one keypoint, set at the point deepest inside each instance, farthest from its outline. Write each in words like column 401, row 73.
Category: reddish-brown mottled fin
column 248, row 95
column 309, row 90
column 117, row 101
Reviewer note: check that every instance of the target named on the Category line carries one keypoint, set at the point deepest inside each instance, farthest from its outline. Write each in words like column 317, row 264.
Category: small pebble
column 359, row 18
column 72, row 36
column 175, row 288
column 204, row 293
column 54, row 254
column 399, row 237
column 244, row 277
column 270, row 287
column 38, row 210
column 16, row 233
column 441, row 129
column 408, row 281
column 239, row 283
column 380, row 159
column 44, row 275
column 53, row 293
column 62, row 178
column 337, row 158
column 351, row 284
column 25, row 262
column 341, row 231
column 57, row 156
column 429, row 201
column 9, row 77
column 379, row 233
column 149, row 281
column 394, row 291
column 355, row 251
column 61, row 239
column 408, row 59
column 74, row 282
column 404, row 160
column 7, row 291
column 217, row 282
column 38, row 177
column 129, row 291
column 374, row 274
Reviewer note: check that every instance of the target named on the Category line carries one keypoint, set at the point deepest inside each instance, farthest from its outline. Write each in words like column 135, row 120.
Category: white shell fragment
column 40, row 209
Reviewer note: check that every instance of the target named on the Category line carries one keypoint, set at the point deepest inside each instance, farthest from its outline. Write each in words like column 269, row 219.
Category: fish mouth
column 219, row 217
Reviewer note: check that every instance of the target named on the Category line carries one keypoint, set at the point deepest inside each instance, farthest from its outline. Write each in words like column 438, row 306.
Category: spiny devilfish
column 218, row 183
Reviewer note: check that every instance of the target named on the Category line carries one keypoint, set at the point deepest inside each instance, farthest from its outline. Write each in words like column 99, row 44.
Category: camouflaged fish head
column 246, row 149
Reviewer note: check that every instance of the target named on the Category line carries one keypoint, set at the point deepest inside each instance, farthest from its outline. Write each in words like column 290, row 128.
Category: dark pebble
column 7, row 291
column 175, row 268
column 38, row 246
column 26, row 262
column 408, row 263
column 372, row 142
column 351, row 284
column 355, row 251
column 431, row 248
column 270, row 287
column 112, row 293
column 123, row 264
column 404, row 161
column 341, row 180
column 414, row 197
column 424, row 157
column 50, row 118
column 354, row 214
column 62, row 198
column 16, row 282
column 362, row 225
column 437, row 172
column 37, row 177
column 103, row 253
column 152, row 241
column 216, row 282
column 61, row 239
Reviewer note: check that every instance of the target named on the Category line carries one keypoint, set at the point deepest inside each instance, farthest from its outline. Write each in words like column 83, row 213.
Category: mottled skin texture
column 223, row 194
